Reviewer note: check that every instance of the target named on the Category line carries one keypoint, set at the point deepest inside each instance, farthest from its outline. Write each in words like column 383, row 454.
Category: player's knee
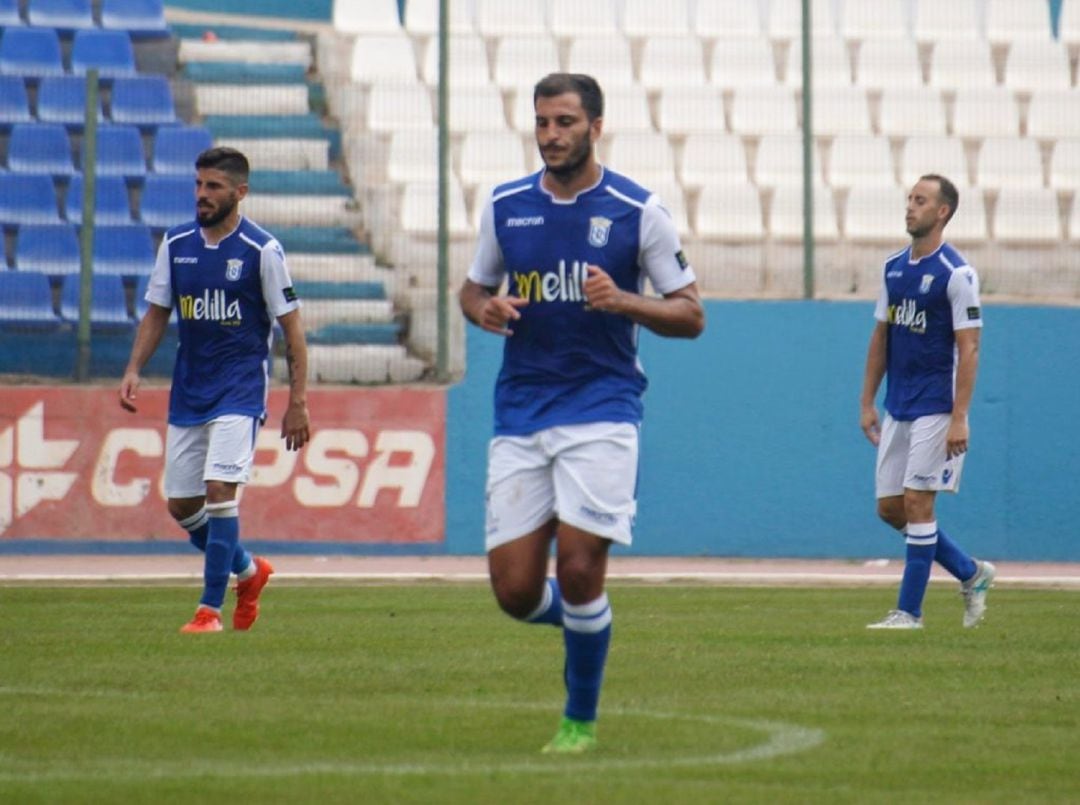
column 517, row 602
column 579, row 579
column 183, row 508
column 892, row 512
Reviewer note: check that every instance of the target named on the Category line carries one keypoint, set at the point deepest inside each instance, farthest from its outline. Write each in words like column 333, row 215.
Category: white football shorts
column 220, row 450
column 911, row 455
column 586, row 475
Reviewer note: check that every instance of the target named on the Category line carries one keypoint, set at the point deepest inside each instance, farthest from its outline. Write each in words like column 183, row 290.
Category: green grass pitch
column 425, row 693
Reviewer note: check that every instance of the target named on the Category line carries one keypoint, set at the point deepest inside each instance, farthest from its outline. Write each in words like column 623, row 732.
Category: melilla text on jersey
column 211, row 306
column 907, row 314
column 565, row 284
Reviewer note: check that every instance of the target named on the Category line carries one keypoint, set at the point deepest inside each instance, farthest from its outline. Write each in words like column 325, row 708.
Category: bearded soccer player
column 576, row 242
column 226, row 277
column 926, row 341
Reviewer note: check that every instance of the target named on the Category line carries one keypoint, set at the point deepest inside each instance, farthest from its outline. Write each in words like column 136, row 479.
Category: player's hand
column 868, row 420
column 129, row 387
column 295, row 427
column 956, row 440
column 601, row 292
column 499, row 311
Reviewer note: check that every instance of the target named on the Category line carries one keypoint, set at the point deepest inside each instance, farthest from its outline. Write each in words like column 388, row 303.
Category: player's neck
column 567, row 186
column 928, row 244
column 213, row 235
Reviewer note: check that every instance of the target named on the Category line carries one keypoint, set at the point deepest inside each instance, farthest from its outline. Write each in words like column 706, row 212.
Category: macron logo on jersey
column 528, row 220
column 907, row 314
column 210, row 307
column 555, row 286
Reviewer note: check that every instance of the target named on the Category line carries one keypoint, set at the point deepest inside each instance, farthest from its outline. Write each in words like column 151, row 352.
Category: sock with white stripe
column 221, row 546
column 586, row 634
column 198, row 528
column 550, row 609
column 921, row 547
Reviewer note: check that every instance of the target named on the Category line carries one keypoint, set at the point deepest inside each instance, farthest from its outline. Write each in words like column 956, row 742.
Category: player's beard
column 917, row 230
column 576, row 158
column 211, row 218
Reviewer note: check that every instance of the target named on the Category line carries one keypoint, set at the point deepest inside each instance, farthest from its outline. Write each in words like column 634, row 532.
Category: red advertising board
column 74, row 465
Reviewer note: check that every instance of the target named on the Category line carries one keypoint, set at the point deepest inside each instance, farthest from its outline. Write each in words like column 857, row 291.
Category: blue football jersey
column 924, row 302
column 225, row 297
column 565, row 363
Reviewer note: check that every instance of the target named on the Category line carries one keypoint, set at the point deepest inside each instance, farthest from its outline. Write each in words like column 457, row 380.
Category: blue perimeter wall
column 751, row 444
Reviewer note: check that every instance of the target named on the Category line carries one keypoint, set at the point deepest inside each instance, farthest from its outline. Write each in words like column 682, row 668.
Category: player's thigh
column 518, row 569
column 595, row 474
column 892, row 458
column 520, row 495
column 929, row 468
column 230, row 450
column 185, row 460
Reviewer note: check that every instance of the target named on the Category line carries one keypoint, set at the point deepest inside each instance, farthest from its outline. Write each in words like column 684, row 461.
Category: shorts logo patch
column 599, row 230
column 945, row 476
column 289, row 293
column 974, row 314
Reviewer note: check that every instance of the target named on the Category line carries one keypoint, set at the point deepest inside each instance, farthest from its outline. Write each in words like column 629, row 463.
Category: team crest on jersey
column 233, row 269
column 599, row 229
column 927, row 281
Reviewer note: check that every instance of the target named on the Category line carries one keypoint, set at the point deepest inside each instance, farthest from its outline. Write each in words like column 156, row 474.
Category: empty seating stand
column 51, row 249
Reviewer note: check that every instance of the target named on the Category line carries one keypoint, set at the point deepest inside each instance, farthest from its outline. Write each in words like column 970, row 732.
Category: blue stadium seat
column 175, row 148
column 167, row 200
column 40, row 148
column 111, row 206
column 108, row 302
column 14, row 102
column 62, row 99
column 145, row 101
column 27, row 198
column 141, row 18
column 64, row 15
column 9, row 13
column 26, row 298
column 120, row 153
column 127, row 251
column 108, row 51
column 33, row 52
column 47, row 248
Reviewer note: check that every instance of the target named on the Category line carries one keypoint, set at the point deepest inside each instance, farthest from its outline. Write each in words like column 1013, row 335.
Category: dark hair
column 947, row 190
column 227, row 160
column 585, row 86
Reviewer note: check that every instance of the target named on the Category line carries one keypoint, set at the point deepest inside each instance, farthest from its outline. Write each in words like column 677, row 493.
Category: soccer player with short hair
column 576, row 242
column 227, row 280
column 926, row 341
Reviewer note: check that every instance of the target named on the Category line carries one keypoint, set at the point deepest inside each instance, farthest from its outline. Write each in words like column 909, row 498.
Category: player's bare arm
column 875, row 371
column 147, row 337
column 295, row 425
column 967, row 366
column 678, row 314
column 487, row 310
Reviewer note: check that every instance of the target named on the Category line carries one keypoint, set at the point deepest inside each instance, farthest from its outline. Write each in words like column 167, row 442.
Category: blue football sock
column 550, row 609
column 953, row 558
column 586, row 633
column 198, row 528
column 220, row 548
column 921, row 546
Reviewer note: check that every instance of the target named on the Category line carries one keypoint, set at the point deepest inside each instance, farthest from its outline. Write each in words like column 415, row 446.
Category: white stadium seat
column 420, row 209
column 1074, row 221
column 496, row 18
column 860, row 159
column 942, row 155
column 627, row 109
column 712, row 159
column 831, row 63
column 422, row 18
column 468, row 61
column 522, row 61
column 968, row 224
column 841, row 110
column 643, row 18
column 729, row 212
column 1011, row 20
column 875, row 213
column 491, row 157
column 875, row 19
column 727, row 19
column 962, row 64
column 1065, row 170
column 1054, row 114
column 785, row 19
column 1027, row 215
column 572, row 18
column 605, row 58
column 391, row 108
column 1009, row 162
column 742, row 63
column 1069, row 31
column 763, row 110
column 779, row 161
column 476, row 109
column 646, row 157
column 936, row 20
column 681, row 110
column 786, row 214
column 383, row 59
column 888, row 63
column 911, row 111
column 668, row 61
column 368, row 17
column 413, row 156
column 1037, row 65
column 985, row 113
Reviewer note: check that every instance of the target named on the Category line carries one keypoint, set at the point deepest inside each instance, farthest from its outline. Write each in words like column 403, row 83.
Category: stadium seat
column 31, row 52
column 109, row 52
column 860, row 159
column 111, row 205
column 419, row 209
column 468, row 62
column 763, row 110
column 9, row 13
column 145, row 101
column 120, row 153
column 742, row 63
column 671, row 61
column 962, row 64
column 52, row 249
column 573, row 18
column 875, row 213
column 943, row 155
column 1034, row 64
column 1009, row 161
column 369, row 17
column 176, row 147
column 40, row 148
column 497, row 18
column 642, row 18
column 785, row 19
column 935, row 21
column 1011, row 20
column 831, row 63
column 969, row 223
column 1074, row 222
column 786, row 214
column 605, row 58
column 726, row 20
column 26, row 298
column 985, row 113
column 27, row 198
column 14, row 102
column 1065, row 170
column 912, row 111
column 123, row 250
column 394, row 108
column 413, row 156
column 108, row 302
column 491, row 157
column 1027, row 215
column 62, row 99
column 644, row 156
column 779, row 161
column 476, row 109
column 63, row 15
column 841, row 110
column 384, row 58
column 888, row 63
column 682, row 110
column 1054, row 114
column 625, row 109
column 422, row 18
column 729, row 213
column 521, row 61
column 167, row 200
column 1069, row 33
column 712, row 159
column 877, row 20
column 140, row 18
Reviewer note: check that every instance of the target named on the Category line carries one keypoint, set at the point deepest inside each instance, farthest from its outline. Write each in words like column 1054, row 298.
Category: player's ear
column 241, row 190
column 596, row 128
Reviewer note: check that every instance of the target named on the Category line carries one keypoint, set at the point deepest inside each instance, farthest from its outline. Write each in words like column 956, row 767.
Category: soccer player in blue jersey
column 926, row 341
column 576, row 243
column 227, row 280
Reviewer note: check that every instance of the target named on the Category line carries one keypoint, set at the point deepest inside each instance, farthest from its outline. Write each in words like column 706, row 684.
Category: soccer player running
column 226, row 277
column 927, row 341
column 576, row 242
